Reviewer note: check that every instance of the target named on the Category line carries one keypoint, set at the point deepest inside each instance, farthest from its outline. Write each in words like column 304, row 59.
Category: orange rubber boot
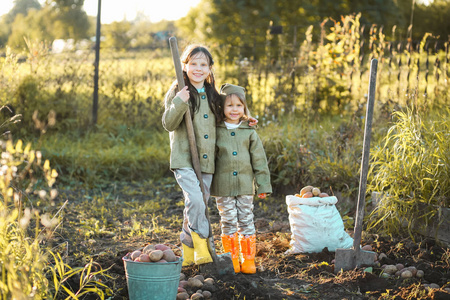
column 248, row 250
column 230, row 244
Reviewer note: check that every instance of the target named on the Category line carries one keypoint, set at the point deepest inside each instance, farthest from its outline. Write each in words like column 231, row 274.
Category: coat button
column 234, row 173
column 203, row 96
column 233, row 133
column 206, row 136
column 205, row 116
column 205, row 156
column 234, row 153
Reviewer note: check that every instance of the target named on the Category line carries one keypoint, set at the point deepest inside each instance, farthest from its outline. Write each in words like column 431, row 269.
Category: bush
column 29, row 269
column 411, row 170
column 326, row 154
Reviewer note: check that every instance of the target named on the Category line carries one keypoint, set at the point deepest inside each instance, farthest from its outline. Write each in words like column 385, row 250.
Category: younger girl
column 241, row 168
column 200, row 96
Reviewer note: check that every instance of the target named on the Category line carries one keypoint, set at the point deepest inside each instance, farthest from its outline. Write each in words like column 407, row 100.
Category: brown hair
column 221, row 115
column 189, row 53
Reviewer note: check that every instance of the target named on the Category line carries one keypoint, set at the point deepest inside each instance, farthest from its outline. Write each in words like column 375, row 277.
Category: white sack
column 316, row 224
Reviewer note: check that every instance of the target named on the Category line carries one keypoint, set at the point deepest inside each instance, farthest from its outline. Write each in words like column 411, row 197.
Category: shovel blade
column 349, row 259
column 222, row 265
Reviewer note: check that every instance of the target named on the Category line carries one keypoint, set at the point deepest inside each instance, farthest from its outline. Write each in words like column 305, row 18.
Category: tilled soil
column 279, row 276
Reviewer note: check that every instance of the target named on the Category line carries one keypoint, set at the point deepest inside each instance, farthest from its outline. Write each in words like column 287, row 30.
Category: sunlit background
column 118, row 10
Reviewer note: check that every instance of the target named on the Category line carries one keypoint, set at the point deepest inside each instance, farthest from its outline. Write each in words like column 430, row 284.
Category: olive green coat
column 203, row 122
column 241, row 163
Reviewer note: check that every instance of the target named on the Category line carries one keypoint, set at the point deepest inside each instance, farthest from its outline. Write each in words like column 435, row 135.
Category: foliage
column 432, row 18
column 245, row 28
column 26, row 184
column 21, row 7
column 54, row 20
column 327, row 154
column 116, row 35
column 410, row 169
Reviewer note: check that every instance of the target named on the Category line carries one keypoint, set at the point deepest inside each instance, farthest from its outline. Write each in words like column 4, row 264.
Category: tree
column 117, row 36
column 22, row 7
column 69, row 19
column 33, row 26
column 433, row 18
column 240, row 27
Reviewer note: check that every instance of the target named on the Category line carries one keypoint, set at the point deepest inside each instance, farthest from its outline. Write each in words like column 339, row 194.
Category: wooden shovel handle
column 187, row 116
column 365, row 159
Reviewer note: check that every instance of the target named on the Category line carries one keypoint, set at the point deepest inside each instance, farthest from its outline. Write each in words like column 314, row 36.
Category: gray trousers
column 194, row 214
column 236, row 214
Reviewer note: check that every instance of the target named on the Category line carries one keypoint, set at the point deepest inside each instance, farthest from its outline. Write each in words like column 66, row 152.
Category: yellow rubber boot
column 230, row 244
column 248, row 250
column 188, row 255
column 201, row 252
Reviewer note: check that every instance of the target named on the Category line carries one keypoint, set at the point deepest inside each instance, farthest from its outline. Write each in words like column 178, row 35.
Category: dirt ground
column 279, row 276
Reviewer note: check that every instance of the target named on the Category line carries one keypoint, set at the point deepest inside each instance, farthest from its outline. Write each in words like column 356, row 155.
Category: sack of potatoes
column 158, row 253
column 310, row 191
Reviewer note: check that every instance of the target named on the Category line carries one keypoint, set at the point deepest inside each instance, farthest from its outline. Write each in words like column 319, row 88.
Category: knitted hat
column 227, row 89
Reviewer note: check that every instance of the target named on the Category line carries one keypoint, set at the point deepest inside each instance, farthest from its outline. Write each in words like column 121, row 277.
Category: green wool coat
column 241, row 163
column 203, row 122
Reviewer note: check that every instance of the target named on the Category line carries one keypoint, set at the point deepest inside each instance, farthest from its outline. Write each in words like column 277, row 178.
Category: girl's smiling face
column 197, row 70
column 233, row 109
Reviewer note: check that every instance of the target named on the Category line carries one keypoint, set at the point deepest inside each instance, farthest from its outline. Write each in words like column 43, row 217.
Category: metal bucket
column 149, row 280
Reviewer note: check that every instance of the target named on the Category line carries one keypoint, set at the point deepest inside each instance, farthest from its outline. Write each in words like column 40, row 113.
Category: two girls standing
column 205, row 103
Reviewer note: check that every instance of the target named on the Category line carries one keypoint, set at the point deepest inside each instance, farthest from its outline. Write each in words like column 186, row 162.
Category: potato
column 156, row 255
column 406, row 274
column 195, row 283
column 183, row 283
column 315, row 191
column 366, row 248
column 161, row 247
column 197, row 296
column 162, row 261
column 135, row 254
column 390, row 269
column 169, row 255
column 413, row 270
column 149, row 248
column 144, row 257
column 307, row 195
column 381, row 256
column 182, row 296
column 305, row 190
column 321, row 195
column 206, row 294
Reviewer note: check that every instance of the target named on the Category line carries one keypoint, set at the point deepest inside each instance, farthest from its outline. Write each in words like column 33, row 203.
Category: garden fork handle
column 365, row 159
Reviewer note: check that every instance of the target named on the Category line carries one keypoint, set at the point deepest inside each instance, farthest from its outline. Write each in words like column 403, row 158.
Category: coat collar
column 244, row 125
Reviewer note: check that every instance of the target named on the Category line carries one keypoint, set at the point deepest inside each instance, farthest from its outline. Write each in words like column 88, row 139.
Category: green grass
column 96, row 157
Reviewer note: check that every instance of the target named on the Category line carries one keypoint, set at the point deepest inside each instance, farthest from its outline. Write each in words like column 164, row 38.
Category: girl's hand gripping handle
column 183, row 94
